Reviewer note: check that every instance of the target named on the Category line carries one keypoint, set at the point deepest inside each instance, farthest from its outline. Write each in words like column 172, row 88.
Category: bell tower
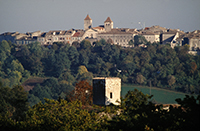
column 108, row 24
column 87, row 22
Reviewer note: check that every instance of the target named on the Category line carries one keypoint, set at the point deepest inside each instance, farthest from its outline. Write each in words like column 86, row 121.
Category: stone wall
column 106, row 90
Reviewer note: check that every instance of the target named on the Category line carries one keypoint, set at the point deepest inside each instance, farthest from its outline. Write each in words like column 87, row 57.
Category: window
column 111, row 95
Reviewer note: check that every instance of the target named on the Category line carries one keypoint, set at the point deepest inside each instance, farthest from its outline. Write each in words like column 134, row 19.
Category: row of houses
column 118, row 36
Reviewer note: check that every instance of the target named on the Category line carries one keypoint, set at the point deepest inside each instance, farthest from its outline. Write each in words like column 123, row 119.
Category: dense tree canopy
column 135, row 112
column 155, row 65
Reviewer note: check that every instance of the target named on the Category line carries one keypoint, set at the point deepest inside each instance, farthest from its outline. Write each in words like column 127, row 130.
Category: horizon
column 25, row 16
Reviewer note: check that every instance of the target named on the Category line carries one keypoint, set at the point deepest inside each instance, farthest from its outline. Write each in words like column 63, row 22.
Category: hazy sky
column 45, row 15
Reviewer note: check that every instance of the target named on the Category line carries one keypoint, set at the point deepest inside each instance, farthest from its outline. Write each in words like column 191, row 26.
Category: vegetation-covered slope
column 64, row 65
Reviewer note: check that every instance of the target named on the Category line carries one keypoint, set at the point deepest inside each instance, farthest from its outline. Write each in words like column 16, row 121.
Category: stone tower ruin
column 106, row 90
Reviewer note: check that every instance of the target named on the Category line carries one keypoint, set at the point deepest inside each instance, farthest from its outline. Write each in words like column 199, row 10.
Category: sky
column 45, row 15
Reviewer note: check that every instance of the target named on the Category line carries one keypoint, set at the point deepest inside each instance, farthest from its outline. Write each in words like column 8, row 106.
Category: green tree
column 73, row 55
column 14, row 102
column 85, row 44
column 139, row 39
column 171, row 80
column 4, row 46
column 16, row 66
column 83, row 57
column 140, row 79
column 131, row 42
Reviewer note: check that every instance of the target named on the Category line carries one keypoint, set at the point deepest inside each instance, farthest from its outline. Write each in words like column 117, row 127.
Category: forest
column 62, row 66
column 135, row 112
column 54, row 105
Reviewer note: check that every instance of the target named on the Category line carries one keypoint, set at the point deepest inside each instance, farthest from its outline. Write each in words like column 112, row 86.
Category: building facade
column 106, row 90
column 151, row 37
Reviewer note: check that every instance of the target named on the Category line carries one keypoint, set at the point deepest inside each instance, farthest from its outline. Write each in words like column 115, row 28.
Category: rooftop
column 108, row 20
column 106, row 78
column 87, row 17
column 121, row 31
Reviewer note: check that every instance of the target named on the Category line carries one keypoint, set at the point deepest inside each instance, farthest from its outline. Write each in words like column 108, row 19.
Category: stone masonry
column 106, row 90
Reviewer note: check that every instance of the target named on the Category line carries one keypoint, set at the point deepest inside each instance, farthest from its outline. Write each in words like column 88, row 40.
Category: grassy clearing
column 160, row 96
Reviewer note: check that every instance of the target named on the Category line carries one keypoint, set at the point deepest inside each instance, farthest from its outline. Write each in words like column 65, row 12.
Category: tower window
column 111, row 95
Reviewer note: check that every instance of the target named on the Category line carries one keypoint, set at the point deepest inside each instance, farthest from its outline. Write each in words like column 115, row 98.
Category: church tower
column 108, row 24
column 87, row 22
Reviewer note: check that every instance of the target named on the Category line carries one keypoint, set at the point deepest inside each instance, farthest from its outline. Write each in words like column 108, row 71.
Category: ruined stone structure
column 106, row 90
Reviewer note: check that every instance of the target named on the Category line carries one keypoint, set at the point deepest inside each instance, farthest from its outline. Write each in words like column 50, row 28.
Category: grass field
column 160, row 96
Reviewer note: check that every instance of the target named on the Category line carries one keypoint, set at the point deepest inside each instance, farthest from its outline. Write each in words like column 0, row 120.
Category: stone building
column 106, row 90
column 78, row 36
column 117, row 36
column 56, row 36
column 108, row 24
column 193, row 40
column 12, row 36
column 87, row 22
column 151, row 37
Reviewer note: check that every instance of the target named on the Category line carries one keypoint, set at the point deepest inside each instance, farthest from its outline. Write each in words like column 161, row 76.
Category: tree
column 76, row 44
column 139, row 39
column 14, row 102
column 189, row 116
column 193, row 67
column 81, row 70
column 82, row 92
column 171, row 80
column 16, row 66
column 83, row 74
column 140, row 79
column 68, row 77
column 83, row 57
column 85, row 44
column 20, row 102
column 131, row 42
column 73, row 55
column 4, row 46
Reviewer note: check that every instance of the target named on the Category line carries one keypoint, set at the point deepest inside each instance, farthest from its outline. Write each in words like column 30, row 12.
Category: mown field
column 161, row 96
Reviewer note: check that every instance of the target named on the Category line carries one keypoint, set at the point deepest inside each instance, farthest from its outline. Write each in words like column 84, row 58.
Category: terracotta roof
column 78, row 34
column 148, row 33
column 119, row 31
column 108, row 20
column 87, row 17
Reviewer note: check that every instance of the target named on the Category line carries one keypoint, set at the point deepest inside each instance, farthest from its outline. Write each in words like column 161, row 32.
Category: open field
column 160, row 96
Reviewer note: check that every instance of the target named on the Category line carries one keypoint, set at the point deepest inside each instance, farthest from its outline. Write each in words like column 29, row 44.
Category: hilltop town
column 118, row 36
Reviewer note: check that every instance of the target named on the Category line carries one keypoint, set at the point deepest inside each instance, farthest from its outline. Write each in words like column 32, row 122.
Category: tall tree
column 82, row 92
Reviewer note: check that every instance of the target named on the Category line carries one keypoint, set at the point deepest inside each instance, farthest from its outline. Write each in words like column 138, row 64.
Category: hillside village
column 118, row 36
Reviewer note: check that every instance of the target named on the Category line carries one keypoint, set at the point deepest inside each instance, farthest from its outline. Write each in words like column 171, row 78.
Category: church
column 118, row 36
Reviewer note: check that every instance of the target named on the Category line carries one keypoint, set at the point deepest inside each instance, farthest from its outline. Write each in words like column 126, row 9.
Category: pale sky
column 45, row 15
